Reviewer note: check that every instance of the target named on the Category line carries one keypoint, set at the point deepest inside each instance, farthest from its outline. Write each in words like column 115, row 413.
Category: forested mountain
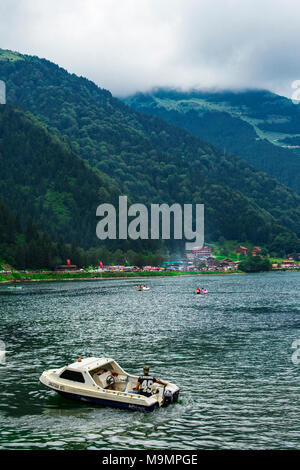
column 142, row 156
column 42, row 178
column 48, row 200
column 256, row 125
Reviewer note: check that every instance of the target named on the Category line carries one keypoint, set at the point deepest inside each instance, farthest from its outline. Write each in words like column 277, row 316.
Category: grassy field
column 8, row 55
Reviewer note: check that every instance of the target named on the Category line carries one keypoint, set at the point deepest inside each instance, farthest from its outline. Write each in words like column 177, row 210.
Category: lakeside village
column 199, row 259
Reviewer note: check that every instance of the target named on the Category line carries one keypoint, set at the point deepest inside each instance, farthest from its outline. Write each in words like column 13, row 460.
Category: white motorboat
column 143, row 288
column 102, row 381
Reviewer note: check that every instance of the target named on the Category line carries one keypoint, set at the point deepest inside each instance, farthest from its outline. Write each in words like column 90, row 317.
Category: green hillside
column 142, row 156
column 22, row 245
column 48, row 201
column 44, row 179
column 256, row 125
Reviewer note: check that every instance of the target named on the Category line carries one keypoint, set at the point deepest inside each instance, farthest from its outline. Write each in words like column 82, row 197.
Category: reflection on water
column 230, row 353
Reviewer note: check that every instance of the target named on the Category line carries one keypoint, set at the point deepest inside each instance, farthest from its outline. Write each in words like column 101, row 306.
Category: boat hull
column 110, row 403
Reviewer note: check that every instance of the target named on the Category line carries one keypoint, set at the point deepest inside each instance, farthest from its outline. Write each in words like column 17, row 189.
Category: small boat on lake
column 141, row 288
column 201, row 291
column 102, row 381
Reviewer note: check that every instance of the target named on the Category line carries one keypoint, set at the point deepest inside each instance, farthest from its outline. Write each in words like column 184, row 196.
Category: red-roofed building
column 202, row 252
column 289, row 263
column 241, row 249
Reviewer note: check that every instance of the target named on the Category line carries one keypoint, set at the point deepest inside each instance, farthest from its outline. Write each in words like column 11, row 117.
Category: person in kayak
column 145, row 382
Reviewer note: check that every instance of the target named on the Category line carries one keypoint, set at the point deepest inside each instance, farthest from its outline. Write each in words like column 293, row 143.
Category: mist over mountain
column 138, row 44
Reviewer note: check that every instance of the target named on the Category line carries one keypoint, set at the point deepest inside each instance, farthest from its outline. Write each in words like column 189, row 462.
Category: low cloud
column 132, row 45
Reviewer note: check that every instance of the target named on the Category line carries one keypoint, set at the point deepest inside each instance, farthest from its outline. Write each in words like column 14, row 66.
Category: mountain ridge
column 243, row 123
column 150, row 160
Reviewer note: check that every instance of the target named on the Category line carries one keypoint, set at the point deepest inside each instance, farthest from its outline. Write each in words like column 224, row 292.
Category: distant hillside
column 147, row 158
column 256, row 125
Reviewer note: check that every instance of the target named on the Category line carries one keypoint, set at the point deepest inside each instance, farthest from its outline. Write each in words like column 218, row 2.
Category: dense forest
column 43, row 180
column 227, row 121
column 122, row 152
column 24, row 246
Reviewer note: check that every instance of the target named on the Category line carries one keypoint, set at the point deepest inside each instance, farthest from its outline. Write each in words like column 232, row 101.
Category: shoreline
column 57, row 277
column 34, row 277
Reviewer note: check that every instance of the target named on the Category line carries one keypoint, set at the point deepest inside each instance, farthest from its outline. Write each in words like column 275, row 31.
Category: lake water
column 230, row 353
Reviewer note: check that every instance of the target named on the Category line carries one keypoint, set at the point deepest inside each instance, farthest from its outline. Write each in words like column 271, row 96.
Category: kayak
column 144, row 288
column 15, row 287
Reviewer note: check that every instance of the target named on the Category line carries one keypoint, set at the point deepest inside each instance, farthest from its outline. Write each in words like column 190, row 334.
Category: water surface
column 230, row 353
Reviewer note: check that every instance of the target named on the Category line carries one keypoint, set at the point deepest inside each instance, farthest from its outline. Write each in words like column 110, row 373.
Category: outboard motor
column 168, row 398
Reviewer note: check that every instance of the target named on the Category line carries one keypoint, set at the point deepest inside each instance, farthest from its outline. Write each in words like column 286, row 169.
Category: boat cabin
column 103, row 372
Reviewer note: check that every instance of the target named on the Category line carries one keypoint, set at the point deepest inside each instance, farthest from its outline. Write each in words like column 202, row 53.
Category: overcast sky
column 134, row 45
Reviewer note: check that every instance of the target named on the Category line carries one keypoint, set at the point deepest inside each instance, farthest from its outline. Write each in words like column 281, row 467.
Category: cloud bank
column 133, row 45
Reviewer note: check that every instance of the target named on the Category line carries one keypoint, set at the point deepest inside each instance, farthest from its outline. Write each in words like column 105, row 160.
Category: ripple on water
column 230, row 353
